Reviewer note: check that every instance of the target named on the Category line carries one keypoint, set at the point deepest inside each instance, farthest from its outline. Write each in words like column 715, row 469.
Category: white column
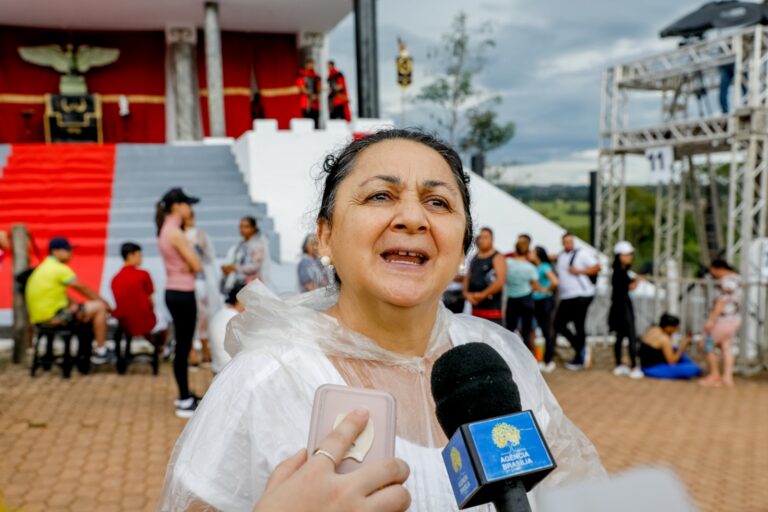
column 213, row 68
column 181, row 41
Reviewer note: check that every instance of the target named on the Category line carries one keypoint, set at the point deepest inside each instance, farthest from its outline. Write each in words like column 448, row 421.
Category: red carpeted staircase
column 59, row 190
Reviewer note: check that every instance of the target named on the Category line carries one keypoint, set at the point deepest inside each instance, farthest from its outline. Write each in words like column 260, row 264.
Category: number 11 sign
column 661, row 160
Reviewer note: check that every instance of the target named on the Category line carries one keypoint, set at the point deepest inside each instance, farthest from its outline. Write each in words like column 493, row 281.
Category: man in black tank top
column 485, row 279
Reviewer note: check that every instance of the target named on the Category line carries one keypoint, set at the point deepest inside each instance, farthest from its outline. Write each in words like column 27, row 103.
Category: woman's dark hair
column 722, row 264
column 252, row 221
column 232, row 295
column 305, row 244
column 617, row 264
column 338, row 166
column 668, row 320
column 541, row 253
column 161, row 210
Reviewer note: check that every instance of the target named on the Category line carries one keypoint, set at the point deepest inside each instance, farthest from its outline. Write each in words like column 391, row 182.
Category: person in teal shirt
column 544, row 304
column 522, row 279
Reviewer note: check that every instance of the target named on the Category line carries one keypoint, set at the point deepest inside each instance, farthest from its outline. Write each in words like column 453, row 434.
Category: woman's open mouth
column 415, row 258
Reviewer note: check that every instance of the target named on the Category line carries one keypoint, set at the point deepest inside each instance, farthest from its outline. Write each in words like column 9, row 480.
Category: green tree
column 485, row 133
column 461, row 55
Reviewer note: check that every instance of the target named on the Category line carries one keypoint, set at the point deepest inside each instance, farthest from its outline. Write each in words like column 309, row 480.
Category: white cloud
column 579, row 61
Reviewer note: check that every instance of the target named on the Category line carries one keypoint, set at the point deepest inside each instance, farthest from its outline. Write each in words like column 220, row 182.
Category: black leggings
column 520, row 309
column 183, row 308
column 573, row 311
column 542, row 311
column 624, row 327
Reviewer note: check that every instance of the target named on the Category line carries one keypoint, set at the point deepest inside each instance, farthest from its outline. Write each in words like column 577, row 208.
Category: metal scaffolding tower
column 682, row 80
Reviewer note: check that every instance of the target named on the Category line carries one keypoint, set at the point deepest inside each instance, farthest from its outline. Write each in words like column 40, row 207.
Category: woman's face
column 184, row 210
column 246, row 229
column 533, row 257
column 626, row 259
column 398, row 225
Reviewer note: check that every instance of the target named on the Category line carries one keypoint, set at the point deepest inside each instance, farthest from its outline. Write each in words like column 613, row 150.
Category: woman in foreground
column 395, row 224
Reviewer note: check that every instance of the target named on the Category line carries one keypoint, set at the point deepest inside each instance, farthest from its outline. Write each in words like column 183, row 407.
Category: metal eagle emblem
column 71, row 62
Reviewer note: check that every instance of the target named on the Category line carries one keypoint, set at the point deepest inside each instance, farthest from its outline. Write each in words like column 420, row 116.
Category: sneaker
column 178, row 401
column 547, row 367
column 621, row 371
column 636, row 373
column 574, row 365
column 103, row 355
column 168, row 350
column 186, row 408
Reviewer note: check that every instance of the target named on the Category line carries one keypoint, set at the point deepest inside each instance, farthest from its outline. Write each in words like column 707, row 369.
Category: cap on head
column 59, row 243
column 623, row 247
column 177, row 195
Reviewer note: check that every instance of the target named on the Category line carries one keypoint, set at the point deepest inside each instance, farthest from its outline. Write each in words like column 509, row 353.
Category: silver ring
column 326, row 454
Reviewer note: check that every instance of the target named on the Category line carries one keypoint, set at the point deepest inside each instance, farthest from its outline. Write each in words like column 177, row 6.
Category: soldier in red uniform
column 338, row 99
column 308, row 83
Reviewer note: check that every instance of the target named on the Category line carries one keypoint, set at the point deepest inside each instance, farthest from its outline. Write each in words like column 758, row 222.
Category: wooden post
column 22, row 334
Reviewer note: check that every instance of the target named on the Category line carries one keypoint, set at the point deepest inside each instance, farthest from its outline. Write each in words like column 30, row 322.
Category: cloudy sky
column 547, row 63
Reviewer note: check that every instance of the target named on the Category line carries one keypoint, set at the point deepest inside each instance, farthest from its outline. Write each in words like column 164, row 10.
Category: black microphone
column 496, row 451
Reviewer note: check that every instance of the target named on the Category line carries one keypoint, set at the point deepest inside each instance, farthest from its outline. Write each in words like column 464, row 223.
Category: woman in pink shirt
column 181, row 265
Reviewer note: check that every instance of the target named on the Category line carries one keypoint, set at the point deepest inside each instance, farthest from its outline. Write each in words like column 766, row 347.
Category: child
column 723, row 324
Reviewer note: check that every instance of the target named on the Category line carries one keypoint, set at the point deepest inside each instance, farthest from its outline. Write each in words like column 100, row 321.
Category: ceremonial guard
column 338, row 99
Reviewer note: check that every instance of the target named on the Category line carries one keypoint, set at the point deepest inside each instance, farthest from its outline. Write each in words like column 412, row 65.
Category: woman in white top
column 395, row 224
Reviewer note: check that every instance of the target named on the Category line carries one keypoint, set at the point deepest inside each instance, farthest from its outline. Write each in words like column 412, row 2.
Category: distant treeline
column 553, row 192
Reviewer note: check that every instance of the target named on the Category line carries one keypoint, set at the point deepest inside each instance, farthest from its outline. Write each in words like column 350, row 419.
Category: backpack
column 592, row 279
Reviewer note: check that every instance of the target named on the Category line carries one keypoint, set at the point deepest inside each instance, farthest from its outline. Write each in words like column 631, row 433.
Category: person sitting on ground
column 132, row 288
column 49, row 305
column 660, row 358
column 218, row 329
column 312, row 274
column 723, row 324
column 245, row 260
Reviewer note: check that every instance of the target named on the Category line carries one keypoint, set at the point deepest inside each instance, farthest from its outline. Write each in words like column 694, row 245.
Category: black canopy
column 722, row 14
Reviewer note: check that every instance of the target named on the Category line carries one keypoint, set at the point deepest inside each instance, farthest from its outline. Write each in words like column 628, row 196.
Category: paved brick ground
column 102, row 442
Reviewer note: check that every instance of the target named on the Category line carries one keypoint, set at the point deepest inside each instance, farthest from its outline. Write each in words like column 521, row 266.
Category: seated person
column 659, row 358
column 218, row 329
column 133, row 290
column 48, row 303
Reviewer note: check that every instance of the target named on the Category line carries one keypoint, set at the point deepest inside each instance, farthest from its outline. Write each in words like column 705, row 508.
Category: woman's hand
column 311, row 484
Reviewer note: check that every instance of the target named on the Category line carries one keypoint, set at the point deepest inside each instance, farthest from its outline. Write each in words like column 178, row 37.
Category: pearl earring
column 462, row 268
column 325, row 261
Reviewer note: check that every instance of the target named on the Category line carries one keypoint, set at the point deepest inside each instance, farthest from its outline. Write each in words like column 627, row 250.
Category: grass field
column 571, row 214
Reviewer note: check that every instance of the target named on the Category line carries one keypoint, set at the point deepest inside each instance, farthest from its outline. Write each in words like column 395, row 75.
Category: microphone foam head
column 472, row 382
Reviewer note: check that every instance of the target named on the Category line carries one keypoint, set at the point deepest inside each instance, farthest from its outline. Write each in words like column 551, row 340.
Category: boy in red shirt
column 133, row 289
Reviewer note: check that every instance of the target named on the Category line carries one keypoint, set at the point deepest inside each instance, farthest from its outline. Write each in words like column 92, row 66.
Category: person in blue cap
column 48, row 302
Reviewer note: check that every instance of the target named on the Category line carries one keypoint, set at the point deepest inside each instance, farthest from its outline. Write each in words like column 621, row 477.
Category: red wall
column 271, row 60
column 139, row 71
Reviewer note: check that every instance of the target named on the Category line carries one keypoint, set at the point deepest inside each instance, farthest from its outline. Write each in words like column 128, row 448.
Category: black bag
column 593, row 279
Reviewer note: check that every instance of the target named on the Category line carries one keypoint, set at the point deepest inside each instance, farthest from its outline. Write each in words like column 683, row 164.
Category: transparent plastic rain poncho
column 257, row 410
